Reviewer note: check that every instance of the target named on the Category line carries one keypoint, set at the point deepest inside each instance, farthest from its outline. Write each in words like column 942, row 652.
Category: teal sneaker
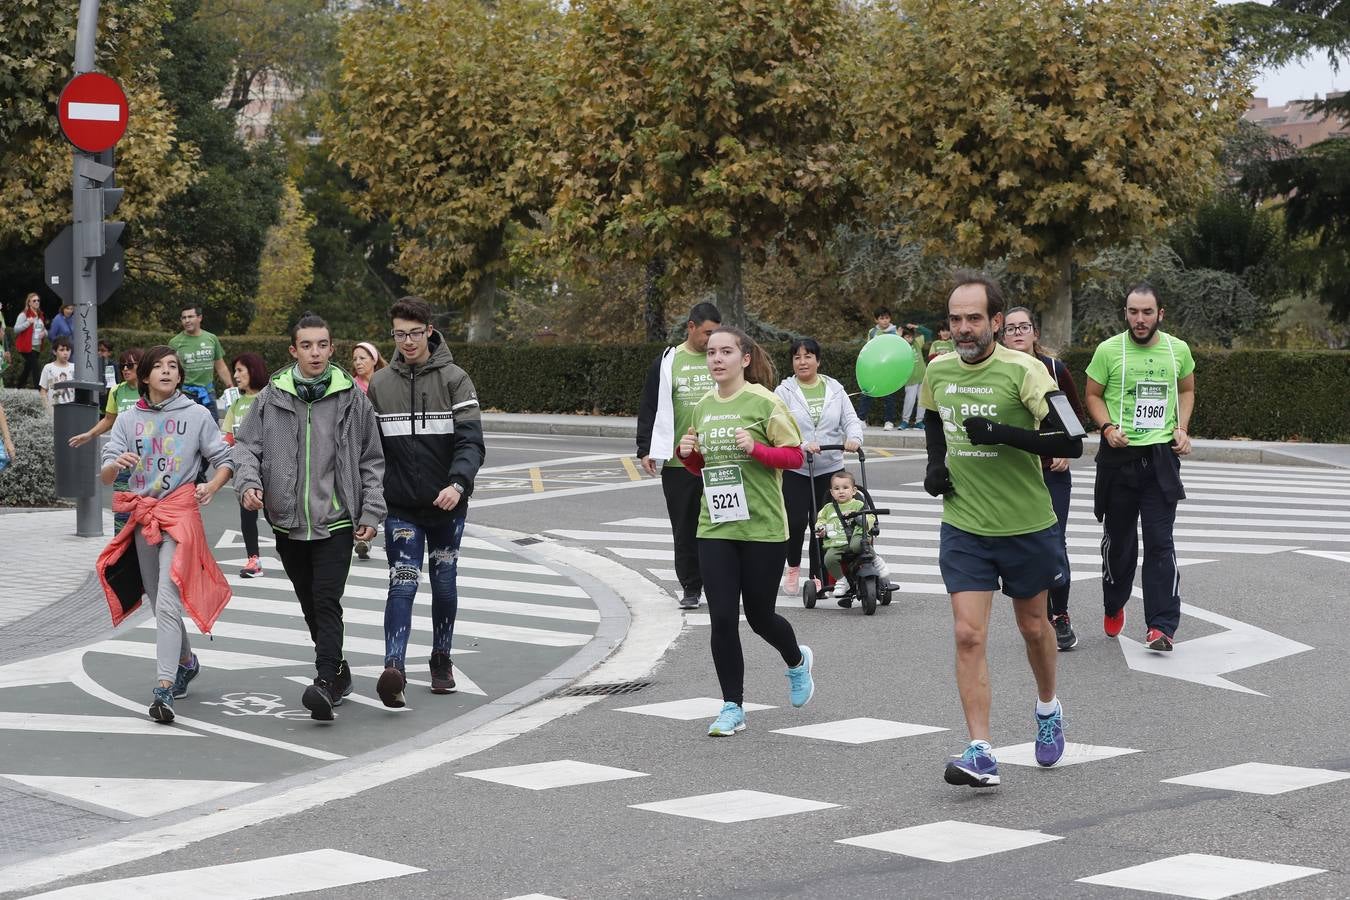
column 728, row 722
column 185, row 676
column 800, row 683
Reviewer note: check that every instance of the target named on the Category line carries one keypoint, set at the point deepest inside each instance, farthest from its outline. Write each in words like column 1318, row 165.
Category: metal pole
column 88, row 510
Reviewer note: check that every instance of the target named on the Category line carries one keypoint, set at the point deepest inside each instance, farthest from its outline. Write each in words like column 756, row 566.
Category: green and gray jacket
column 319, row 465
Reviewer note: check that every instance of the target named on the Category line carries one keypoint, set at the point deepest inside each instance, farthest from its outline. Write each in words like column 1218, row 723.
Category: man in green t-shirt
column 676, row 381
column 203, row 357
column 1140, row 392
column 988, row 414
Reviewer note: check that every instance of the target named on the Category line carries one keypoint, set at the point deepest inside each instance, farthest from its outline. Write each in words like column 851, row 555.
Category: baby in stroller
column 846, row 539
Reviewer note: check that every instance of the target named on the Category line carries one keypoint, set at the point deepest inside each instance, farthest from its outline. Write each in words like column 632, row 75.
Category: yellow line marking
column 632, row 469
column 880, row 452
column 536, row 480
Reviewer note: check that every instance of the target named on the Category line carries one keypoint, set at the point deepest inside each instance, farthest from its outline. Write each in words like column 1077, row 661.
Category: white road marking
column 1201, row 875
column 566, row 492
column 141, row 797
column 553, row 774
column 863, row 730
column 734, row 806
column 210, row 658
column 1260, row 778
column 1328, row 554
column 548, row 463
column 275, row 876
column 687, row 710
column 463, row 683
column 353, row 697
column 1074, row 754
column 950, row 841
column 12, row 721
column 1206, row 659
column 81, row 680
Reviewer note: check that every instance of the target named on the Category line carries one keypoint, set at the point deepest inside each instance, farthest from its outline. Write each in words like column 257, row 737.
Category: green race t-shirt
column 121, row 398
column 999, row 489
column 834, row 526
column 759, row 411
column 939, row 347
column 689, row 381
column 199, row 354
column 1139, row 384
column 234, row 416
column 815, row 398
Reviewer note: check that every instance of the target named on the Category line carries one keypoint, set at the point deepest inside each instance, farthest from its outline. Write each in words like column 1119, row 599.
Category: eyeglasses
column 128, row 365
column 402, row 336
column 1024, row 328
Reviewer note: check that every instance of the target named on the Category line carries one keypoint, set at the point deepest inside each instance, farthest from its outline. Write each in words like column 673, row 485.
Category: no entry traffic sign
column 93, row 112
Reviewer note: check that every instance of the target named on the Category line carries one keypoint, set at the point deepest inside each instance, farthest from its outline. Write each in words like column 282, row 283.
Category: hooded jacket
column 319, row 465
column 432, row 432
column 838, row 422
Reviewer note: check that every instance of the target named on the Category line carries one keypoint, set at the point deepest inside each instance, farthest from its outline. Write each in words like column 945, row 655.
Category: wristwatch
column 1105, row 425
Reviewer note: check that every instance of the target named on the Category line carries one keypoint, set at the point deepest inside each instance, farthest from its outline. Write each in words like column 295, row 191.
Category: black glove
column 984, row 431
column 938, row 481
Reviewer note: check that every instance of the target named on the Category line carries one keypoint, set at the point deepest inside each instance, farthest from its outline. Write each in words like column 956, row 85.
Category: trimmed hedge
column 1268, row 395
column 30, row 480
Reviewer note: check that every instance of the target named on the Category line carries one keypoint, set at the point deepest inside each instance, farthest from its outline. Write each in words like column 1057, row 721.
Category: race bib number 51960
column 724, row 492
column 1150, row 406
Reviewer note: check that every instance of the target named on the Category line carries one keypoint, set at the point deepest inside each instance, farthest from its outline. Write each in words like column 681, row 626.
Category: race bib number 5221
column 724, row 492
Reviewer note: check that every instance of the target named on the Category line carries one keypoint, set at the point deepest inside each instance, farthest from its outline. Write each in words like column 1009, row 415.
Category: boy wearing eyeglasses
column 432, row 434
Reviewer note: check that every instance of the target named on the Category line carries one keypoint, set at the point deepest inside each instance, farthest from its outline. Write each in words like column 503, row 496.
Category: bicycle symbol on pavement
column 245, row 703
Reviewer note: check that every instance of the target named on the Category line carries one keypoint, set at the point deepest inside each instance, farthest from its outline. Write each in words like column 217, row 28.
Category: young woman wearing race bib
column 742, row 439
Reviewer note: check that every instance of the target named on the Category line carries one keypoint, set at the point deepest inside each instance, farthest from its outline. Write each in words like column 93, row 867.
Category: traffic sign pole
column 88, row 228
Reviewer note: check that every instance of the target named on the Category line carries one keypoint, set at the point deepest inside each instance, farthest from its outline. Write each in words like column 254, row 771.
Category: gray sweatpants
column 171, row 640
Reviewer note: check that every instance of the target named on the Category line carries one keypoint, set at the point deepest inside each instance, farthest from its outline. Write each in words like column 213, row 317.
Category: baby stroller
column 869, row 585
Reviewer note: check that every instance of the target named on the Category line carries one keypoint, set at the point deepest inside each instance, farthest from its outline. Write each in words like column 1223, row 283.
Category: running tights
column 737, row 573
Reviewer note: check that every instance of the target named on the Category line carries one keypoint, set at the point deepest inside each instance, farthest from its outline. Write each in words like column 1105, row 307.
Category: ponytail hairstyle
column 1036, row 349
column 760, row 371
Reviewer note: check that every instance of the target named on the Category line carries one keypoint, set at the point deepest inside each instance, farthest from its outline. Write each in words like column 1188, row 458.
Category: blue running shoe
column 975, row 768
column 162, row 709
column 185, row 675
column 1050, row 737
column 801, row 685
column 728, row 722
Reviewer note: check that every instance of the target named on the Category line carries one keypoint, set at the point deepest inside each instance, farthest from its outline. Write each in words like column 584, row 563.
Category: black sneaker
column 689, row 601
column 1064, row 635
column 390, row 687
column 442, row 675
column 318, row 699
column 342, row 684
column 363, row 549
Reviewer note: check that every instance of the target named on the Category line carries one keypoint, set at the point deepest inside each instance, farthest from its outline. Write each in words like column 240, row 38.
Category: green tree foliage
column 272, row 44
column 1316, row 188
column 205, row 243
column 438, row 113
column 154, row 160
column 1043, row 132
column 697, row 132
column 286, row 268
column 1284, row 31
column 1231, row 234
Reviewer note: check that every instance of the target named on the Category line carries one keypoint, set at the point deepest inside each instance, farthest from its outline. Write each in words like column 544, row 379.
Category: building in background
column 1295, row 123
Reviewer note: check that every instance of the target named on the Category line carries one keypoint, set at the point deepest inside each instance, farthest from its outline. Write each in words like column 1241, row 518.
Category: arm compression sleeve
column 777, row 457
column 1050, row 441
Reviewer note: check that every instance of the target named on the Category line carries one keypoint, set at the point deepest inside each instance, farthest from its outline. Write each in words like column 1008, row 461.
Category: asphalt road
column 1254, row 683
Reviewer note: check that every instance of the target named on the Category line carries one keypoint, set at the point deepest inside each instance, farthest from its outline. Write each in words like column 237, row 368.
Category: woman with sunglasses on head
column 1020, row 332
column 120, row 399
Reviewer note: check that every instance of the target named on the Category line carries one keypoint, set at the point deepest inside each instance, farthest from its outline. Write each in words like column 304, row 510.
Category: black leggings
column 802, row 505
column 31, row 369
column 737, row 573
column 248, row 528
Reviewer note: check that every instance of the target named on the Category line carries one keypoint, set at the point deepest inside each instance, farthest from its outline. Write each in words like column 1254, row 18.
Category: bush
column 30, row 480
column 1269, row 395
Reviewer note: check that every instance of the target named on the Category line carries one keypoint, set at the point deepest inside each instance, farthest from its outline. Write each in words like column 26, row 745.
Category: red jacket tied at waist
column 200, row 581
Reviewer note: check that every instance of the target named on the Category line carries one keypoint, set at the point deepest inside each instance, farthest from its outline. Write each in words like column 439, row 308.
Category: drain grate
column 527, row 541
column 604, row 690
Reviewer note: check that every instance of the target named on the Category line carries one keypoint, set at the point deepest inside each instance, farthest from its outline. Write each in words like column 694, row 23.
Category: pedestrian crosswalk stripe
column 1201, row 875
column 950, row 841
column 556, row 773
column 504, row 607
column 1074, row 754
column 1260, row 778
column 354, row 697
column 140, row 797
column 21, row 721
column 735, row 806
column 275, row 876
column 210, row 657
column 1263, row 468
column 293, row 637
column 463, row 683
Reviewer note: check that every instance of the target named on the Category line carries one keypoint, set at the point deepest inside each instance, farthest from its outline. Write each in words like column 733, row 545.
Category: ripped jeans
column 405, row 545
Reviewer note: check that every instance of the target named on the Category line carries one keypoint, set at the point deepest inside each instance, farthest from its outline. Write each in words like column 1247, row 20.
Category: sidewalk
column 1284, row 453
column 45, row 561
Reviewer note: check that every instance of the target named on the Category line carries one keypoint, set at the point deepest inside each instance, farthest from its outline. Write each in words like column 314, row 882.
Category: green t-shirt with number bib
column 759, row 411
column 999, row 490
column 199, row 353
column 1139, row 384
column 689, row 381
column 815, row 398
column 121, row 398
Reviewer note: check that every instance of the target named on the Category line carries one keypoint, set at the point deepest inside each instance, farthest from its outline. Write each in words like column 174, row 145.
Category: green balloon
column 884, row 364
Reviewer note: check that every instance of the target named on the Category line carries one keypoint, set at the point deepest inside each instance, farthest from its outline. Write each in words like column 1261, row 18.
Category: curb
column 1202, row 450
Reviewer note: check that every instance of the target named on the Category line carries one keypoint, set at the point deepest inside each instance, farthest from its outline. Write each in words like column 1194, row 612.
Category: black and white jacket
column 432, row 432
